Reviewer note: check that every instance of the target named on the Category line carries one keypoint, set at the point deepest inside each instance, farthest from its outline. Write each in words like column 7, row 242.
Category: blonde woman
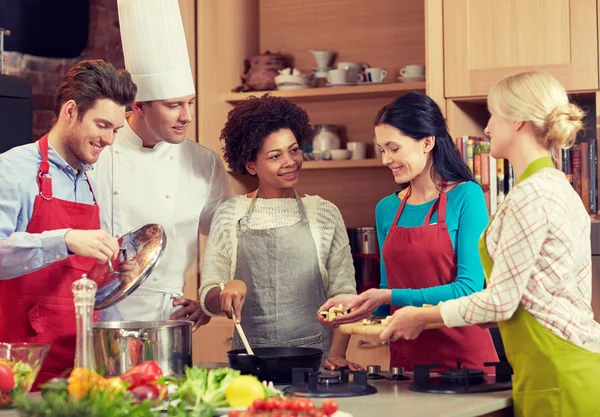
column 537, row 258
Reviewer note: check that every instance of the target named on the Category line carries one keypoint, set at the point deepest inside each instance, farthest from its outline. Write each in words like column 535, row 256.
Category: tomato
column 319, row 413
column 233, row 413
column 304, row 405
column 277, row 403
column 7, row 379
column 258, row 404
column 270, row 404
column 329, row 407
column 141, row 374
column 289, row 404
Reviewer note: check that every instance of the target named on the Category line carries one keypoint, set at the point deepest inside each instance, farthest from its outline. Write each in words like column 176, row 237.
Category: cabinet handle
column 372, row 345
column 229, row 339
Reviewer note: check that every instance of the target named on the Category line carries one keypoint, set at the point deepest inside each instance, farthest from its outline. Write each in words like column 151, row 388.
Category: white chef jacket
column 178, row 186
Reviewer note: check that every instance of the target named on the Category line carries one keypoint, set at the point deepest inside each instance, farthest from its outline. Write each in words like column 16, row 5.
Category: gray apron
column 280, row 268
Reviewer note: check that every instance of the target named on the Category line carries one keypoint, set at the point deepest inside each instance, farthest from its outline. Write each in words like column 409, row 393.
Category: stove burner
column 309, row 383
column 329, row 379
column 462, row 380
column 398, row 374
column 460, row 375
column 373, row 372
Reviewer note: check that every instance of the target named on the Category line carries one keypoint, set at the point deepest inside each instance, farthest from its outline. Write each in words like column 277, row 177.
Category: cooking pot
column 275, row 363
column 121, row 345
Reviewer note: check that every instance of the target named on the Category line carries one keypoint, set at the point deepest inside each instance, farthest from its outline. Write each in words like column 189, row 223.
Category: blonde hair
column 538, row 98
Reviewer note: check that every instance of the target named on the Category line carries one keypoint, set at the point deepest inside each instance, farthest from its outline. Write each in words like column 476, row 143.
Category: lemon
column 243, row 390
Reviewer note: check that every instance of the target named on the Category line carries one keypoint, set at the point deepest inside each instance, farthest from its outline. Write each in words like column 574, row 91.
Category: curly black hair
column 249, row 123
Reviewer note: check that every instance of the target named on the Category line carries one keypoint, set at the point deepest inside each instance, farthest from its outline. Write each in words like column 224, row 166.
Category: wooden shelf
column 348, row 163
column 334, row 93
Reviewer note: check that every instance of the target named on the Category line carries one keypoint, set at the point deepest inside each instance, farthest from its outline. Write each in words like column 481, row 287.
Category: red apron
column 423, row 257
column 40, row 304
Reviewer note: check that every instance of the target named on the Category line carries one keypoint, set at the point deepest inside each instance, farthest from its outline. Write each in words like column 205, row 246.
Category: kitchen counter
column 394, row 399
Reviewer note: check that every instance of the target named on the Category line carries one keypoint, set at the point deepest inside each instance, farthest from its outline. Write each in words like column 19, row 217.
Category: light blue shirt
column 22, row 252
column 466, row 219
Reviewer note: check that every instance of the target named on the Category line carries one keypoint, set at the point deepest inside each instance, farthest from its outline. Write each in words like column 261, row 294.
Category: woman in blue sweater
column 427, row 233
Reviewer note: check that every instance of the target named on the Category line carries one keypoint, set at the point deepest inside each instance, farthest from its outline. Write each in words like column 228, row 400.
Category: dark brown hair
column 250, row 122
column 94, row 80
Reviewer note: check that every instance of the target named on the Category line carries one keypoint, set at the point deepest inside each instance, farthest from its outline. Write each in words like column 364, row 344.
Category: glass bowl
column 24, row 361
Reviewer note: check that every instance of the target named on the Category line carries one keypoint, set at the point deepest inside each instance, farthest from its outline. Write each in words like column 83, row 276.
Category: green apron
column 552, row 377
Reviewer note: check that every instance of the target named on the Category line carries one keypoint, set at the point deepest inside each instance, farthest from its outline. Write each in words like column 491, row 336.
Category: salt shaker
column 84, row 293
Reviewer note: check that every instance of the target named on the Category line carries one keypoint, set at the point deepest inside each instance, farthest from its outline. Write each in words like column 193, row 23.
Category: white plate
column 341, row 414
column 411, row 79
column 222, row 411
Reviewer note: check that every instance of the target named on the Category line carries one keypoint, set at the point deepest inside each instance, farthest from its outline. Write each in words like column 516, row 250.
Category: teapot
column 260, row 71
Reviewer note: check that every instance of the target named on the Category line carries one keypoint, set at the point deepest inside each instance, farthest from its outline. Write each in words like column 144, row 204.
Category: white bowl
column 339, row 154
column 291, row 79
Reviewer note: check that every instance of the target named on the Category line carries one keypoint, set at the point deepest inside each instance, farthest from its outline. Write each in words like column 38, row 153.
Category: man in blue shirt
column 49, row 220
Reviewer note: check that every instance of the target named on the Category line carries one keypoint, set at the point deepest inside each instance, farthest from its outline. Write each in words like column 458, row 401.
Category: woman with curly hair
column 280, row 256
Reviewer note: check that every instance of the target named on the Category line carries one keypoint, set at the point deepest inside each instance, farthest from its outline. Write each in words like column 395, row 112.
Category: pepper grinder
column 84, row 293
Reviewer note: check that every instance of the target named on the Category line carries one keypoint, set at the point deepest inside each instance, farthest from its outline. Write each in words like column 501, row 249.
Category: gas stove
column 323, row 384
column 461, row 380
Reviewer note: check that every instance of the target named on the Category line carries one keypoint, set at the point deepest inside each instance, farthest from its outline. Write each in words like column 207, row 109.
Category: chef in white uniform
column 152, row 174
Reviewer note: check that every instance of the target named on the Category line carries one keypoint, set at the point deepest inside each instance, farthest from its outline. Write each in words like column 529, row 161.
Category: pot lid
column 140, row 251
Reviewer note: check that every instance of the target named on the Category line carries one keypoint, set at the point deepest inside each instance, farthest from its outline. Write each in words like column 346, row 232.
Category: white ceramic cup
column 358, row 149
column 375, row 75
column 353, row 70
column 336, row 76
column 413, row 71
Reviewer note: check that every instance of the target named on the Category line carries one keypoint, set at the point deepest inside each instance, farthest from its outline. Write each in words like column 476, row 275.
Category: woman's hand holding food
column 331, row 310
column 364, row 305
column 233, row 295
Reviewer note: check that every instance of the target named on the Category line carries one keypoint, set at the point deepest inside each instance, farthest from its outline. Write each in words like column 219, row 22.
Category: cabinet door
column 210, row 343
column 485, row 40
column 368, row 350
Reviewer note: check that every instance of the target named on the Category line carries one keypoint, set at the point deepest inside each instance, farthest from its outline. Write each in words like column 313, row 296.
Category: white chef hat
column 155, row 49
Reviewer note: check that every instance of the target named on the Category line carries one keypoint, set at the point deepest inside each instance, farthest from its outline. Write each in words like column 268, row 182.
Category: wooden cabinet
column 485, row 40
column 210, row 343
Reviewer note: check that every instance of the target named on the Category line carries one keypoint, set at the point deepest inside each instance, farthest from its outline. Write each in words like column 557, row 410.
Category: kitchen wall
column 44, row 74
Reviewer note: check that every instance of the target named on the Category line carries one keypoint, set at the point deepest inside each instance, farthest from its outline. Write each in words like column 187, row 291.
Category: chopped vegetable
column 301, row 407
column 7, row 379
column 142, row 374
column 19, row 374
column 334, row 312
column 218, row 381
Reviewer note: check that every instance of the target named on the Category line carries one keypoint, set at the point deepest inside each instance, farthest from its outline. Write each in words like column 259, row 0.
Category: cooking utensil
column 275, row 363
column 238, row 326
column 139, row 253
column 121, row 345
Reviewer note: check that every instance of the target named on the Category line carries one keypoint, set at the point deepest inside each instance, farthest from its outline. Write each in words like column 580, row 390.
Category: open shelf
column 360, row 163
column 331, row 93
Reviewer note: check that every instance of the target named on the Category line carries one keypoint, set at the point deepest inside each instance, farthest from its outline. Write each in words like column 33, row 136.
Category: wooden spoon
column 238, row 326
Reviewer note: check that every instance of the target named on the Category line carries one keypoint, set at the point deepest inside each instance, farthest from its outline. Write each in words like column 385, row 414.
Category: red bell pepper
column 142, row 374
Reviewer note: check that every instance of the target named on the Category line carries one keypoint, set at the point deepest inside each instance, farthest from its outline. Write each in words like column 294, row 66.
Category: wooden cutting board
column 375, row 329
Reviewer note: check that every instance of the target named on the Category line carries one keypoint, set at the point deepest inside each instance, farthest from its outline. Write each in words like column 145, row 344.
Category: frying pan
column 275, row 363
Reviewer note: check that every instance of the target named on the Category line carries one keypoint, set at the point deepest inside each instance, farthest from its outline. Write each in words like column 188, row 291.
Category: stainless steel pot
column 121, row 345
